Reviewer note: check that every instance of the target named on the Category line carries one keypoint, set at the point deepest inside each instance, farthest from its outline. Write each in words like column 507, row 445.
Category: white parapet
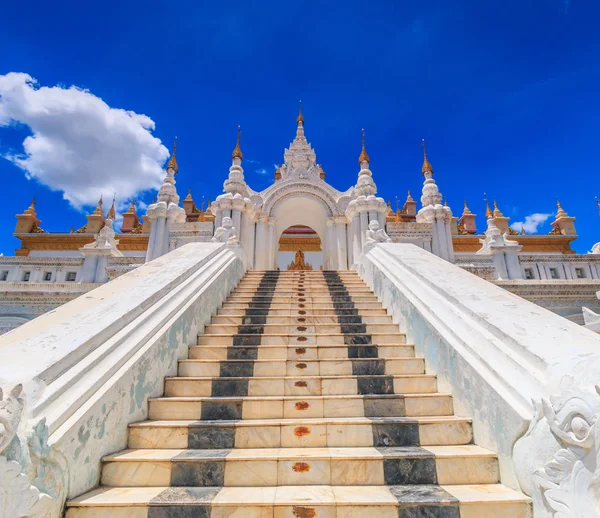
column 526, row 376
column 73, row 379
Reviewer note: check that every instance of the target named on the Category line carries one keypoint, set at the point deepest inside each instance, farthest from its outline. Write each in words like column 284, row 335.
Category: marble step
column 255, row 327
column 307, row 385
column 434, row 501
column 313, row 307
column 243, row 319
column 323, row 289
column 312, row 352
column 331, row 367
column 302, row 433
column 294, row 298
column 302, row 286
column 302, row 339
column 234, row 309
column 448, row 465
column 180, row 402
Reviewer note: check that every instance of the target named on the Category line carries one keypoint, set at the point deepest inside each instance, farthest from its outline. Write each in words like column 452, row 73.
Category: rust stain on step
column 301, row 339
column 301, row 328
column 302, row 405
column 301, row 467
column 301, row 431
column 301, row 384
column 301, row 366
column 301, row 350
column 304, row 512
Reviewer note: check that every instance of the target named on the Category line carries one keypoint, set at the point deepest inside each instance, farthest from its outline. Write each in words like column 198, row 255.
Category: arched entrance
column 299, row 249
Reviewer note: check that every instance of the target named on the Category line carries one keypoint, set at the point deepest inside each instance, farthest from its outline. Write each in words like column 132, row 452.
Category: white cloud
column 261, row 171
column 531, row 223
column 80, row 145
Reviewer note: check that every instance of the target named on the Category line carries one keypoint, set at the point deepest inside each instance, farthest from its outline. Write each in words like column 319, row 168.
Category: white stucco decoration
column 105, row 240
column 558, row 459
column 596, row 249
column 375, row 235
column 18, row 496
column 226, row 233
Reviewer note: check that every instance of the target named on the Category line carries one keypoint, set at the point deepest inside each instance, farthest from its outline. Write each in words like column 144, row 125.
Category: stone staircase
column 302, row 400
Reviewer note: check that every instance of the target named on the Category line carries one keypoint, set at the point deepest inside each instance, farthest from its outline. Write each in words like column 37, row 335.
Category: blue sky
column 504, row 92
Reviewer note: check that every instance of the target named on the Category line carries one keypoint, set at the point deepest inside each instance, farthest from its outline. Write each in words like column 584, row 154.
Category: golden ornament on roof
column 172, row 163
column 237, row 151
column 364, row 157
column 426, row 165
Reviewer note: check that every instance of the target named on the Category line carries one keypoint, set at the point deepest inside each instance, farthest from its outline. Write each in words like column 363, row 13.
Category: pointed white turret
column 433, row 212
column 164, row 212
column 235, row 183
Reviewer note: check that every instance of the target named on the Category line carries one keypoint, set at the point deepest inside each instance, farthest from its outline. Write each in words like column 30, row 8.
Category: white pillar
column 364, row 226
column 90, row 264
column 237, row 222
column 349, row 245
column 248, row 238
column 356, row 242
column 332, row 260
column 342, row 252
column 161, row 222
column 151, row 241
column 218, row 217
column 261, row 241
column 271, row 245
column 381, row 219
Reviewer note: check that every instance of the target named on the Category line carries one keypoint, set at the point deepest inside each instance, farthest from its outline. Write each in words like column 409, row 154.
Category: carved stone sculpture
column 27, row 463
column 558, row 458
column 226, row 233
column 105, row 240
column 375, row 235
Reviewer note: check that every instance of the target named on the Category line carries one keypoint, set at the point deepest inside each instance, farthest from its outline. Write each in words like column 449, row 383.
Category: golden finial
column 488, row 211
column 189, row 194
column 131, row 209
column 237, row 151
column 466, row 209
column 522, row 230
column 172, row 164
column 364, row 157
column 99, row 207
column 31, row 208
column 409, row 197
column 300, row 118
column 426, row 165
column 561, row 212
column 111, row 212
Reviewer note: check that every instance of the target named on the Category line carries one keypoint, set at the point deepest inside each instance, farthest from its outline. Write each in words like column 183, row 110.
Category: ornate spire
column 300, row 118
column 237, row 151
column 497, row 213
column 189, row 195
column 426, row 165
column 111, row 212
column 488, row 212
column 409, row 197
column 99, row 209
column 466, row 210
column 172, row 164
column 561, row 212
column 31, row 208
column 131, row 209
column 364, row 157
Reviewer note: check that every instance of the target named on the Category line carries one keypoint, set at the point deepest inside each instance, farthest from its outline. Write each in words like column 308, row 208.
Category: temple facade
column 299, row 212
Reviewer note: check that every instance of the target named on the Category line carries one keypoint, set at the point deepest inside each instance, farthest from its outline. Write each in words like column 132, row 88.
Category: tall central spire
column 237, row 151
column 172, row 164
column 426, row 165
column 300, row 118
column 364, row 157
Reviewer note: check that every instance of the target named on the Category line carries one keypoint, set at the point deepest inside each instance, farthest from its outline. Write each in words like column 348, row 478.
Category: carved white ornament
column 18, row 497
column 558, row 458
column 226, row 233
